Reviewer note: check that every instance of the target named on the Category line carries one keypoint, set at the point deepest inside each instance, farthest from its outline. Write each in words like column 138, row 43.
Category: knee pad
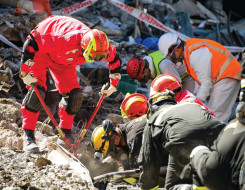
column 73, row 101
column 31, row 101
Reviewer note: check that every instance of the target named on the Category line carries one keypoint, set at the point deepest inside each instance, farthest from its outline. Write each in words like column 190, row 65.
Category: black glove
column 240, row 112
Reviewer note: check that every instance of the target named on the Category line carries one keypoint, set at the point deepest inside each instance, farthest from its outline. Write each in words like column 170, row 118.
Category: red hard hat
column 163, row 82
column 135, row 67
column 95, row 45
column 134, row 105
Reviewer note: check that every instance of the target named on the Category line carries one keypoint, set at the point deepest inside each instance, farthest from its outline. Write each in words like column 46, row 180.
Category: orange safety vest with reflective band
column 223, row 63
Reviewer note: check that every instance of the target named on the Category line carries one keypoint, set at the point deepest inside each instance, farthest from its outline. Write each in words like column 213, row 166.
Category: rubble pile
column 35, row 172
column 24, row 171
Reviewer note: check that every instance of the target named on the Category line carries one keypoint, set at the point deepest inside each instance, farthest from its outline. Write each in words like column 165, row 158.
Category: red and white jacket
column 60, row 38
column 186, row 96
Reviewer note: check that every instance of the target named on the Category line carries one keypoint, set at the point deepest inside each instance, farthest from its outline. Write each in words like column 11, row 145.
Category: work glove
column 196, row 149
column 98, row 156
column 240, row 112
column 108, row 89
column 26, row 66
column 28, row 79
column 108, row 160
column 197, row 183
column 29, row 63
column 242, row 96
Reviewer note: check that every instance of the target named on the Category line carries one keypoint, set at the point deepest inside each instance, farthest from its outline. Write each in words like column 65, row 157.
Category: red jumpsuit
column 59, row 50
column 186, row 96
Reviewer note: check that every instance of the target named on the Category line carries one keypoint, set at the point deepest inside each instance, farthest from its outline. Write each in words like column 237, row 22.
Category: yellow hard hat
column 100, row 144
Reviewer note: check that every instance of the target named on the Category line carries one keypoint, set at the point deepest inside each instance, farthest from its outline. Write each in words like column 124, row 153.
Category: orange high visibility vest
column 223, row 63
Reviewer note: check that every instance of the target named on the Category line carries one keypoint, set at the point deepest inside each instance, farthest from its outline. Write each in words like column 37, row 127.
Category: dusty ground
column 19, row 170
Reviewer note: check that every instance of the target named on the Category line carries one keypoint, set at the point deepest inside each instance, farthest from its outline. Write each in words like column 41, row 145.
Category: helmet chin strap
column 88, row 50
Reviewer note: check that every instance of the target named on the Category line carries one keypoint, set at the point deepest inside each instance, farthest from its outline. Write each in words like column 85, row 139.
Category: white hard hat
column 166, row 41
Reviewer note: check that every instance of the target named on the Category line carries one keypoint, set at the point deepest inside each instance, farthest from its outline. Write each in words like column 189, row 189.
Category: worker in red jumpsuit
column 57, row 44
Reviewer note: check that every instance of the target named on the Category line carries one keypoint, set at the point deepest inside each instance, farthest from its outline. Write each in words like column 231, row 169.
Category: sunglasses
column 99, row 56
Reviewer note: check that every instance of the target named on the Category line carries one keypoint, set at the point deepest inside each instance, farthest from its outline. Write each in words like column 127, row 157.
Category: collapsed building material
column 61, row 156
column 34, row 6
column 6, row 79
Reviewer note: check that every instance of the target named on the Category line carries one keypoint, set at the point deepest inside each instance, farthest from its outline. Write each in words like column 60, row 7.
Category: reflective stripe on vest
column 223, row 63
column 185, row 75
column 157, row 57
column 130, row 180
column 199, row 187
column 242, row 83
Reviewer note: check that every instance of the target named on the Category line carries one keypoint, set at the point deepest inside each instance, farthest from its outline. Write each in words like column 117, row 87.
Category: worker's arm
column 240, row 110
column 243, row 75
column 200, row 61
column 114, row 64
column 211, row 165
column 38, row 44
column 166, row 66
column 149, row 161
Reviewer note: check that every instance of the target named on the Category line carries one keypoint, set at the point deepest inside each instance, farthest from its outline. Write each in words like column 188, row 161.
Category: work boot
column 29, row 143
column 68, row 135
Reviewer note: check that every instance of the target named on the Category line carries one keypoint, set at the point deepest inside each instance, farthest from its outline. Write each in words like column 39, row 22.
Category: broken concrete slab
column 61, row 156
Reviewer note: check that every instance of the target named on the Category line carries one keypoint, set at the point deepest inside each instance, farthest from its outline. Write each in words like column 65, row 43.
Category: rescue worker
column 226, row 156
column 242, row 175
column 149, row 67
column 166, row 82
column 178, row 128
column 211, row 65
column 241, row 117
column 58, row 43
column 123, row 142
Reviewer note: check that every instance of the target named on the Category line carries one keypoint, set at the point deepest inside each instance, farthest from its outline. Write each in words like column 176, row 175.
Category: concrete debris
column 41, row 161
column 47, row 143
column 16, row 28
column 117, row 119
column 23, row 171
column 17, row 163
column 10, row 110
column 87, row 91
column 61, row 157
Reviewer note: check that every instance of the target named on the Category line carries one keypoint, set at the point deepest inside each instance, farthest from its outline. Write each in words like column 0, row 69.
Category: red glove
column 25, row 67
column 114, row 78
column 114, row 62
